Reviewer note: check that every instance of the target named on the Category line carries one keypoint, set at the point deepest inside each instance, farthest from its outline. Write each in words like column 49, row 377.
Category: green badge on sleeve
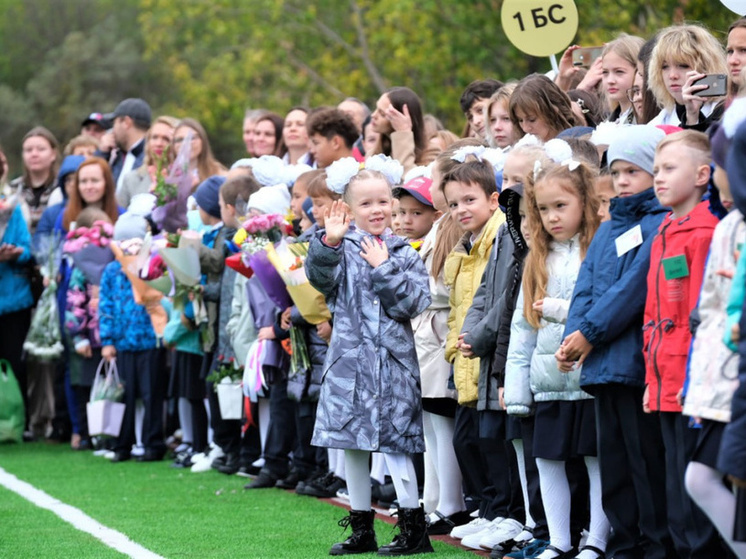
column 675, row 267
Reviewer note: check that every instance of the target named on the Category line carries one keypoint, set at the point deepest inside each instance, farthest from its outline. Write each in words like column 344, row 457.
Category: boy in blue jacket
column 604, row 333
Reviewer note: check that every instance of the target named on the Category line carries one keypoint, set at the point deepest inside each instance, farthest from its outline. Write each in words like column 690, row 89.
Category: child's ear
column 437, row 215
column 336, row 141
column 494, row 201
column 703, row 175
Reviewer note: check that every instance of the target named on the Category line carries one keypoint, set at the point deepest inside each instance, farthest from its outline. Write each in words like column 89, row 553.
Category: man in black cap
column 130, row 122
column 93, row 126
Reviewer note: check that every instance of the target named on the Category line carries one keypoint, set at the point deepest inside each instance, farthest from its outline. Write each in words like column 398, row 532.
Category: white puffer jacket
column 531, row 372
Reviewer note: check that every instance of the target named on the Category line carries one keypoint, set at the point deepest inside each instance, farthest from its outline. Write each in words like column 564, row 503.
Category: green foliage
column 213, row 59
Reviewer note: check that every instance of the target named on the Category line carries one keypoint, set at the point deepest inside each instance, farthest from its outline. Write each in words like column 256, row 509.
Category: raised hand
column 400, row 121
column 336, row 222
column 693, row 102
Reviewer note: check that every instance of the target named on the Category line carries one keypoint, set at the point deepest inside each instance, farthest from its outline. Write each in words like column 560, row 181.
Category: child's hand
column 575, row 347
column 692, row 101
column 324, row 330
column 735, row 333
column 336, row 222
column 538, row 306
column 463, row 347
column 501, row 398
column 566, row 69
column 727, row 274
column 646, row 400
column 109, row 352
column 564, row 364
column 285, row 323
column 374, row 253
column 680, row 397
column 266, row 333
column 593, row 77
column 400, row 121
column 84, row 351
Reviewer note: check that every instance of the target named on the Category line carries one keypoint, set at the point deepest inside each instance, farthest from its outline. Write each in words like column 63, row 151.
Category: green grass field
column 171, row 512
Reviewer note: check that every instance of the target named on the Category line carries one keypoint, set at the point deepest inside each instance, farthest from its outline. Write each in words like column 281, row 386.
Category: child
column 563, row 214
column 539, row 107
column 712, row 375
column 606, row 314
column 416, row 212
column 332, row 135
column 677, row 264
column 473, row 101
column 619, row 64
column 127, row 335
column 471, row 193
column 322, row 199
column 370, row 398
column 499, row 127
column 485, row 334
column 300, row 192
column 604, row 188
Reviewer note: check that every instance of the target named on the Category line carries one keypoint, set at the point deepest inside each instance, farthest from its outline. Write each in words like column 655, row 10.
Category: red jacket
column 670, row 301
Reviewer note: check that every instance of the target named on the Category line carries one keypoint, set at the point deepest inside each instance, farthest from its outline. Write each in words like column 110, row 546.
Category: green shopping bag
column 12, row 413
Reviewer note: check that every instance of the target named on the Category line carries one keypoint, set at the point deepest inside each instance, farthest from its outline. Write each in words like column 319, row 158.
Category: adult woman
column 94, row 186
column 249, row 124
column 399, row 121
column 268, row 135
column 157, row 140
column 735, row 52
column 295, row 137
column 683, row 55
column 202, row 162
column 41, row 158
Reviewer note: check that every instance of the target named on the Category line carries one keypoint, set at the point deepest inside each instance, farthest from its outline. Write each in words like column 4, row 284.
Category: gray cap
column 137, row 109
column 636, row 145
column 130, row 226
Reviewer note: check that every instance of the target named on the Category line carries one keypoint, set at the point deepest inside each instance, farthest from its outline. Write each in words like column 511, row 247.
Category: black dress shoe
column 230, row 466
column 445, row 524
column 151, row 456
column 264, row 480
column 290, row 481
column 121, row 457
column 248, row 471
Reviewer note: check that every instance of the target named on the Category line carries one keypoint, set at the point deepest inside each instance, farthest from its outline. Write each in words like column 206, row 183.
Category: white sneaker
column 137, row 450
column 476, row 525
column 110, row 454
column 215, row 452
column 203, row 464
column 100, row 452
column 472, row 540
column 507, row 530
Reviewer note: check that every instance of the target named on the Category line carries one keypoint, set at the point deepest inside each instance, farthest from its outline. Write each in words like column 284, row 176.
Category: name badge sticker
column 628, row 240
column 675, row 267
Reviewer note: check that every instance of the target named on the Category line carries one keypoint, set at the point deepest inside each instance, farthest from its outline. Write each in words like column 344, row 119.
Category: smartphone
column 585, row 56
column 716, row 85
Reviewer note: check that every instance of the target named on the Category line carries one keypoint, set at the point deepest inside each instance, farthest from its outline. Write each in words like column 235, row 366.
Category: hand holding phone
column 715, row 85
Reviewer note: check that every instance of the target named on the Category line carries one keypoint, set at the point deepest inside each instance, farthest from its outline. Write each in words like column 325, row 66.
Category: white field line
column 76, row 517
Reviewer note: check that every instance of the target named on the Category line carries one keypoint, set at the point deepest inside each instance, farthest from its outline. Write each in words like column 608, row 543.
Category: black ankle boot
column 412, row 537
column 363, row 538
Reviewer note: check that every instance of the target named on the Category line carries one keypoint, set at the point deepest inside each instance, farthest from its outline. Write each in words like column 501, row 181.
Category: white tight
column 402, row 471
column 518, row 446
column 443, row 491
column 706, row 488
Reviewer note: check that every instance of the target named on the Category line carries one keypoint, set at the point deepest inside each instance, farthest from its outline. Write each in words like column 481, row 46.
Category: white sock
column 451, row 493
column 139, row 420
column 598, row 534
column 520, row 457
column 405, row 480
column 378, row 467
column 340, row 469
column 431, row 489
column 706, row 488
column 263, row 405
column 185, row 419
column 555, row 492
column 358, row 478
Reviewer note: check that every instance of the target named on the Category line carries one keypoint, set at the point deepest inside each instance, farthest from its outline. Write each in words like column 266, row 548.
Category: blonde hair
column 692, row 139
column 692, row 45
column 626, row 47
column 502, row 95
column 580, row 183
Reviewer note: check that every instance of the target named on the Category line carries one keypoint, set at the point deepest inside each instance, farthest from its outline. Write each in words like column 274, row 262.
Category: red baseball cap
column 418, row 188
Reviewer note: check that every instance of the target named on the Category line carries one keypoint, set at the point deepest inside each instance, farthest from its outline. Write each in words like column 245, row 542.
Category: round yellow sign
column 540, row 27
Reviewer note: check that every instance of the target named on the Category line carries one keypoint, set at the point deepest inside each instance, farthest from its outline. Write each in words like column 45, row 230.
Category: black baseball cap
column 135, row 108
column 95, row 118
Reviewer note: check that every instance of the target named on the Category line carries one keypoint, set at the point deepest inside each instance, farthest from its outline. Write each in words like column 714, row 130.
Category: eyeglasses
column 632, row 93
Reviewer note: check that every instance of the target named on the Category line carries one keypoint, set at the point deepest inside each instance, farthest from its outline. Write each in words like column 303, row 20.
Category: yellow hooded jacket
column 463, row 274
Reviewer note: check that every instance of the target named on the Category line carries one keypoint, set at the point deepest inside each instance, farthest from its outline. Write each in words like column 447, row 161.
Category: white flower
column 339, row 173
column 268, row 170
column 605, row 133
column 389, row 168
column 292, row 172
column 537, row 168
column 464, row 152
column 558, row 150
column 496, row 158
column 571, row 164
column 528, row 140
column 416, row 172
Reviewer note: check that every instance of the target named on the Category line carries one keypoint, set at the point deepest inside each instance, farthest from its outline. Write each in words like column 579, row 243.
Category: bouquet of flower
column 299, row 361
column 90, row 249
column 164, row 191
column 227, row 369
column 186, row 273
column 44, row 339
column 289, row 261
column 170, row 212
column 257, row 234
column 150, row 265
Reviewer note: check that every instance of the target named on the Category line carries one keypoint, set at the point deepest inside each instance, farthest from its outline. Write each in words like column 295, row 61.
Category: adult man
column 130, row 122
column 93, row 126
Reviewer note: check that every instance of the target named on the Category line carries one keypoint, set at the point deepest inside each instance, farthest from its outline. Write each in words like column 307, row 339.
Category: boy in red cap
column 416, row 212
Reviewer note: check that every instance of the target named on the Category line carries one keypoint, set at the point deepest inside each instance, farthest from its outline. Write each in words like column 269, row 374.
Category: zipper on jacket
column 654, row 355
